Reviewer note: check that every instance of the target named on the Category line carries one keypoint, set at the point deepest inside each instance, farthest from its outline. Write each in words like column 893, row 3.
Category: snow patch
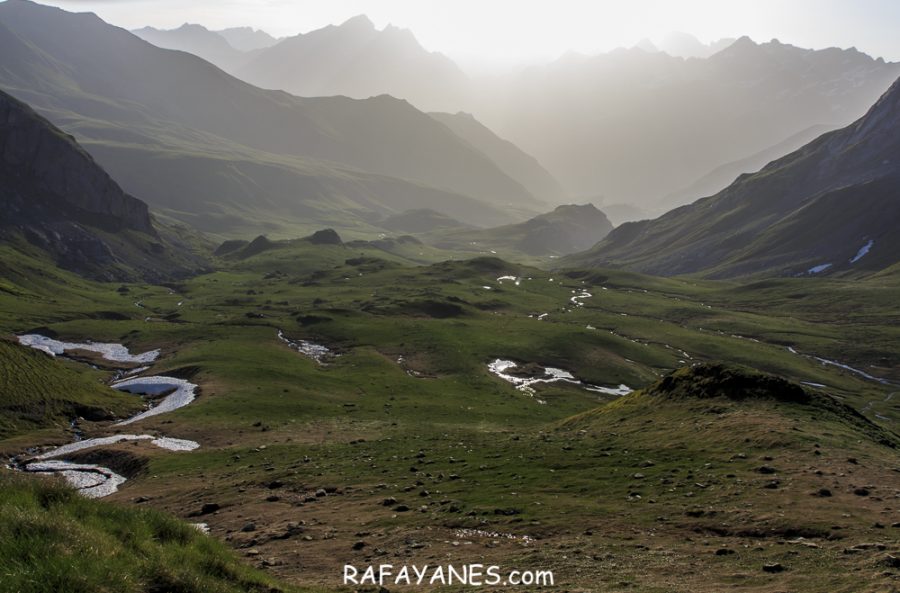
column 862, row 251
column 90, row 480
column 501, row 368
column 111, row 352
column 161, row 442
column 183, row 393
column 317, row 352
column 818, row 269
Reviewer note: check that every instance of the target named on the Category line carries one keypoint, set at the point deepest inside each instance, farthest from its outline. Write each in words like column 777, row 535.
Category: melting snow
column 576, row 300
column 112, row 352
column 817, row 269
column 92, row 481
column 501, row 367
column 311, row 350
column 161, row 442
column 182, row 395
column 862, row 251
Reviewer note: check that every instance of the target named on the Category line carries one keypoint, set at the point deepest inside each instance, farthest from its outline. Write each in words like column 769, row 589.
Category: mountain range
column 358, row 60
column 597, row 123
column 217, row 152
column 829, row 208
column 634, row 126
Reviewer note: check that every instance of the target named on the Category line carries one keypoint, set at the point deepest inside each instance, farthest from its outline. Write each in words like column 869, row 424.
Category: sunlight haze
column 504, row 31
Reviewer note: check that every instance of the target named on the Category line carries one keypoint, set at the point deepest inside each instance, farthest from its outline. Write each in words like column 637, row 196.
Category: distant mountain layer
column 720, row 177
column 519, row 165
column 567, row 229
column 831, row 207
column 54, row 196
column 149, row 115
column 197, row 40
column 357, row 60
column 247, row 38
column 420, row 220
column 634, row 126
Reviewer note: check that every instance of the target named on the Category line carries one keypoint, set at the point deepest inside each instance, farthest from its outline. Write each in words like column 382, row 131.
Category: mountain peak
column 192, row 27
column 361, row 22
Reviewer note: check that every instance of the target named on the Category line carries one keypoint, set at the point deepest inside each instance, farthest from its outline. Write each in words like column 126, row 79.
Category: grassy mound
column 52, row 539
column 39, row 392
column 723, row 391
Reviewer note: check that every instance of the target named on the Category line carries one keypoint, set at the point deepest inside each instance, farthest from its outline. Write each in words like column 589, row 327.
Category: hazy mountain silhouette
column 55, row 197
column 829, row 207
column 357, row 60
column 634, row 126
column 144, row 112
column 722, row 176
column 195, row 39
column 522, row 167
column 247, row 38
column 567, row 229
column 685, row 45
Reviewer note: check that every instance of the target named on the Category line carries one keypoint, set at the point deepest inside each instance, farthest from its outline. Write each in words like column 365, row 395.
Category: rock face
column 54, row 196
column 831, row 207
column 46, row 175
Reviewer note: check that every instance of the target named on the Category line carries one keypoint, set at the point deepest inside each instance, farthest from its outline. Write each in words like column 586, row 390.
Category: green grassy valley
column 402, row 433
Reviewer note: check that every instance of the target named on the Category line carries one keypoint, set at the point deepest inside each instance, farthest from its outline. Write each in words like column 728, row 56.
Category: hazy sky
column 513, row 30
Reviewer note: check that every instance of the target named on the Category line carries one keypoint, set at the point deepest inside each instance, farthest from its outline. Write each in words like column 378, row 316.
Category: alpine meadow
column 384, row 295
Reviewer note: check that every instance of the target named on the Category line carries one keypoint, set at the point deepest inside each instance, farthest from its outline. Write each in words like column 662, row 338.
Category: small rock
column 890, row 561
column 766, row 469
column 359, row 545
column 861, row 491
column 773, row 567
column 249, row 527
column 724, row 552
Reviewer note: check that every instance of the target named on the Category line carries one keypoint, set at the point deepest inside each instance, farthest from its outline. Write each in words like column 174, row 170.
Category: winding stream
column 317, row 352
column 502, row 368
column 95, row 481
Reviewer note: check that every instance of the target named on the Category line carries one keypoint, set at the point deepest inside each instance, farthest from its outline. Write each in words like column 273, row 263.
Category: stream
column 95, row 481
column 501, row 368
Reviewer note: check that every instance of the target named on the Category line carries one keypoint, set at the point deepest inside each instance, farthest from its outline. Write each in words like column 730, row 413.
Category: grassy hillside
column 39, row 391
column 828, row 208
column 52, row 539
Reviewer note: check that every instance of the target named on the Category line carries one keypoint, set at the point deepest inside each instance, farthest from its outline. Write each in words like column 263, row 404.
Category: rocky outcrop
column 56, row 198
column 47, row 176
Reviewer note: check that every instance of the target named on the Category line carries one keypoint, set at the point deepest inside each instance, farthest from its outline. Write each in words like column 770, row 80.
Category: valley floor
column 398, row 445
